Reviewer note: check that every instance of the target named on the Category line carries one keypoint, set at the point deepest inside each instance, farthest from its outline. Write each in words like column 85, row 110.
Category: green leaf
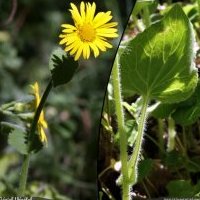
column 18, row 139
column 188, row 111
column 193, row 164
column 140, row 4
column 174, row 160
column 163, row 110
column 130, row 108
column 131, row 131
column 7, row 127
column 182, row 189
column 191, row 10
column 144, row 168
column 158, row 63
column 62, row 67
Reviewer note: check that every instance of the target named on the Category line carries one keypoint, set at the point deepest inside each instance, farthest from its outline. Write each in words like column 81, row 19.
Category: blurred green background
column 67, row 168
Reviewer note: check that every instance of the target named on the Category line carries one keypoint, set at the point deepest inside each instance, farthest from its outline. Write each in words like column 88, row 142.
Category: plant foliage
column 158, row 63
column 62, row 67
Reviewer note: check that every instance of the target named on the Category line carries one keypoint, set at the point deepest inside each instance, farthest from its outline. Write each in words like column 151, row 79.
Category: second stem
column 133, row 162
column 121, row 129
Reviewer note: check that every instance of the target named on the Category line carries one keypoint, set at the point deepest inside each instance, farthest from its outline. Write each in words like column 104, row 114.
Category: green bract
column 158, row 63
column 62, row 67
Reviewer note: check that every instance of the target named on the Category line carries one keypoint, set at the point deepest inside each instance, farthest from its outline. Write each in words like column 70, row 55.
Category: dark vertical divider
column 122, row 10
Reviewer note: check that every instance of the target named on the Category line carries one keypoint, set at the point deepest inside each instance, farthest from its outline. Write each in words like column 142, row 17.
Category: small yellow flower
column 89, row 32
column 42, row 124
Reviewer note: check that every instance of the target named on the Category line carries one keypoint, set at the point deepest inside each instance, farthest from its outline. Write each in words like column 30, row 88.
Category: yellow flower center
column 87, row 33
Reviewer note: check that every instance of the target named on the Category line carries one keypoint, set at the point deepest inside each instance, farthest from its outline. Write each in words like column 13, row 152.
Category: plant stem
column 39, row 110
column 25, row 164
column 121, row 129
column 146, row 16
column 160, row 135
column 198, row 2
column 171, row 134
column 133, row 162
column 23, row 175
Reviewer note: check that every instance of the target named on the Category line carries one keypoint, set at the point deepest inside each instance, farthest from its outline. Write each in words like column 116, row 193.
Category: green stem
column 23, row 175
column 133, row 162
column 198, row 2
column 121, row 129
column 39, row 110
column 146, row 16
column 25, row 164
column 160, row 135
column 171, row 134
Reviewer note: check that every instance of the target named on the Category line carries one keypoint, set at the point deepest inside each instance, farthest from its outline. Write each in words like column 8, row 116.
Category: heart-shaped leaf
column 158, row 63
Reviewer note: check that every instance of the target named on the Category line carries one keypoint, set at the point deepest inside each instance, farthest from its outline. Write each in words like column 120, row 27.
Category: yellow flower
column 42, row 124
column 89, row 32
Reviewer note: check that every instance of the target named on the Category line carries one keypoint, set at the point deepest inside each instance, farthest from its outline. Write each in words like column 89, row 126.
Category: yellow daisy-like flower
column 89, row 32
column 42, row 124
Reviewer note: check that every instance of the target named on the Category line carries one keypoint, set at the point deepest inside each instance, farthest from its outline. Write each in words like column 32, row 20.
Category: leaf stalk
column 133, row 162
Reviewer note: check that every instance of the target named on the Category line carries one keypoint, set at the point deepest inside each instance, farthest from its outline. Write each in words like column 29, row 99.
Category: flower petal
column 82, row 8
column 75, row 14
column 100, row 45
column 102, row 18
column 95, row 49
column 78, row 53
column 109, row 35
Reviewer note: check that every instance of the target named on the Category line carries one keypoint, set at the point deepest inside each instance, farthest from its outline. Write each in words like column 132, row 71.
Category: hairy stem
column 25, row 164
column 121, row 129
column 133, row 162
